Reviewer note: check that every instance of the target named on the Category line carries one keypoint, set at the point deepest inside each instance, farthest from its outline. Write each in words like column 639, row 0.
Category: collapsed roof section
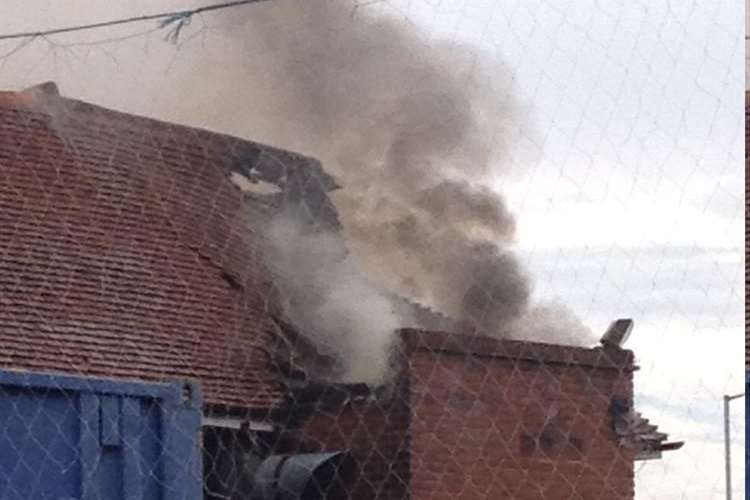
column 280, row 179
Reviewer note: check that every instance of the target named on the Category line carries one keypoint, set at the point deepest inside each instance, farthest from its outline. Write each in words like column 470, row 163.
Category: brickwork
column 376, row 435
column 485, row 419
column 372, row 427
column 504, row 427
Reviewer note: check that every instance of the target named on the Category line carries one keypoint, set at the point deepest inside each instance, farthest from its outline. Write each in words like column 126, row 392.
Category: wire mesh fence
column 371, row 249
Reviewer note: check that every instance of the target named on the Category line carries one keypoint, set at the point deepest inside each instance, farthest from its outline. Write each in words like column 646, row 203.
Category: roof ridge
column 31, row 97
column 39, row 96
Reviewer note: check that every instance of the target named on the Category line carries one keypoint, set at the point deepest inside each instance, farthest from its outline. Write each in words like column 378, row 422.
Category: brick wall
column 482, row 419
column 517, row 422
column 374, row 429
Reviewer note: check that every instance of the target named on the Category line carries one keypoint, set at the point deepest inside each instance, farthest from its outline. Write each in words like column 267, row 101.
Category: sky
column 628, row 193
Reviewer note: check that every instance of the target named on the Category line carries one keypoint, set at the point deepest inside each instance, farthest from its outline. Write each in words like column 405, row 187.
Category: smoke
column 550, row 322
column 415, row 132
column 323, row 291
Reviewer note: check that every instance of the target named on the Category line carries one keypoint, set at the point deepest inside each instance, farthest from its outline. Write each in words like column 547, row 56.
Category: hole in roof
column 253, row 184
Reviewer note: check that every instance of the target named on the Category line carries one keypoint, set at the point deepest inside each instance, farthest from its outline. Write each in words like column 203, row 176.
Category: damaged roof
column 638, row 433
column 127, row 251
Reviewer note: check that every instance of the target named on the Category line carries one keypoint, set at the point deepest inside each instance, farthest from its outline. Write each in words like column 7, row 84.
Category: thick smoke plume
column 415, row 133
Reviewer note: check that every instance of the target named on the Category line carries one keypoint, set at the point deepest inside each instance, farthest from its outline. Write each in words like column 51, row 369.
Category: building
column 484, row 418
column 132, row 249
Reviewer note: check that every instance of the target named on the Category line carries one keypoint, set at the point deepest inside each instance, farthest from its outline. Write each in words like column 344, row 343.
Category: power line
column 179, row 17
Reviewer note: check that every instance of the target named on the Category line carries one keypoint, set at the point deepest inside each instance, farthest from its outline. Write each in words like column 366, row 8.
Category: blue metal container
column 65, row 438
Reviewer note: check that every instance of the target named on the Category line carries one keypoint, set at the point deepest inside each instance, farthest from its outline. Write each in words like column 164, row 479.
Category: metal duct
column 308, row 476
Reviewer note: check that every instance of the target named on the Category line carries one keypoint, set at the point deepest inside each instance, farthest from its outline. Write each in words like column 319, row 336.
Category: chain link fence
column 371, row 249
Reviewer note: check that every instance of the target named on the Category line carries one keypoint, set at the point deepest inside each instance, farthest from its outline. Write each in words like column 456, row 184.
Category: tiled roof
column 126, row 251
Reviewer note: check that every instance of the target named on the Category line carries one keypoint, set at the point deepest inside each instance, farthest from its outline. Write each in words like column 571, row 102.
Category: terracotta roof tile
column 126, row 251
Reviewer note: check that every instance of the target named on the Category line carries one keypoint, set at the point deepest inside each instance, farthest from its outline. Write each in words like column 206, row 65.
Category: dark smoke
column 415, row 132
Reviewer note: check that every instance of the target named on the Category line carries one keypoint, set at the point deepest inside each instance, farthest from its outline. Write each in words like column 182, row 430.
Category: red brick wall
column 484, row 420
column 377, row 438
column 488, row 427
column 375, row 432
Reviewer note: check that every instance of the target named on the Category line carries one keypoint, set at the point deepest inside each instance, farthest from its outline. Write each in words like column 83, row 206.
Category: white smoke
column 338, row 308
